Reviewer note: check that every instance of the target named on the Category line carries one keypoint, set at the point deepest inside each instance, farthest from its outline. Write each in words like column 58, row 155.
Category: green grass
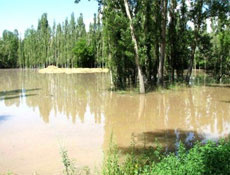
column 202, row 159
column 130, row 90
column 8, row 173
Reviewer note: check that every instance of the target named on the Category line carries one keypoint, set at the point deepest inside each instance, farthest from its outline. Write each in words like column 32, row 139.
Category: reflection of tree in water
column 10, row 80
column 61, row 93
column 72, row 94
column 187, row 115
column 98, row 97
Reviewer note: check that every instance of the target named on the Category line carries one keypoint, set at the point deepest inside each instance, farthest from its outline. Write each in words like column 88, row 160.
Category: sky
column 22, row 14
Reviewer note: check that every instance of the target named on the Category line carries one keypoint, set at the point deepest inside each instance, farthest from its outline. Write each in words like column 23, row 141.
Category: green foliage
column 53, row 45
column 202, row 159
column 84, row 53
column 70, row 167
column 111, row 163
column 120, row 47
column 8, row 49
column 8, row 173
column 68, row 164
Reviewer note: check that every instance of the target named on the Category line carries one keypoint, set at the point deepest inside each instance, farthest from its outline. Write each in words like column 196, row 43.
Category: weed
column 70, row 167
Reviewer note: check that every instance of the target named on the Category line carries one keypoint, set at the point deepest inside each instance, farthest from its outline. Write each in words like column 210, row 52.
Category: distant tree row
column 64, row 45
column 9, row 49
column 144, row 43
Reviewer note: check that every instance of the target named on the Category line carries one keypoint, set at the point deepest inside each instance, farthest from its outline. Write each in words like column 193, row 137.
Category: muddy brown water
column 40, row 113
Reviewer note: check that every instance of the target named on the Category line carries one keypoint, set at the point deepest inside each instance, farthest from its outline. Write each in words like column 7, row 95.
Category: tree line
column 152, row 42
column 144, row 43
column 64, row 45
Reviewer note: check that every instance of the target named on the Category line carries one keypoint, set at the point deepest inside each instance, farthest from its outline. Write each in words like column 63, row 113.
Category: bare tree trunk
column 189, row 73
column 172, row 38
column 197, row 25
column 140, row 74
column 163, row 41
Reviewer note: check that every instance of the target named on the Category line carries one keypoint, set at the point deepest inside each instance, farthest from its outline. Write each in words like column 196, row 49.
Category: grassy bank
column 202, row 159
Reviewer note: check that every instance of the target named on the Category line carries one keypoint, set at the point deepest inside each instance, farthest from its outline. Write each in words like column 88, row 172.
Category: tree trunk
column 197, row 25
column 173, row 72
column 172, row 37
column 163, row 41
column 140, row 74
column 189, row 73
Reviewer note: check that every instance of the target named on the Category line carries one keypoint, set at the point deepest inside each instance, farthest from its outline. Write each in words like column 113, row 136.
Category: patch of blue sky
column 22, row 14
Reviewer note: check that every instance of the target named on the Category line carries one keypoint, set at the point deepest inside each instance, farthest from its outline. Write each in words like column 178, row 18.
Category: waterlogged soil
column 40, row 113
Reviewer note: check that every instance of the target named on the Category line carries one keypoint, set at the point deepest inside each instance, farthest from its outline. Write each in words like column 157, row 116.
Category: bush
column 203, row 159
column 84, row 53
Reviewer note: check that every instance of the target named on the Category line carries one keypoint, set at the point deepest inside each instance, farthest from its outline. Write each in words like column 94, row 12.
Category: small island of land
column 56, row 70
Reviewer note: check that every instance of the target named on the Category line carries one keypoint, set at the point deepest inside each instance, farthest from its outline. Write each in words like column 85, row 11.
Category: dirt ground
column 56, row 70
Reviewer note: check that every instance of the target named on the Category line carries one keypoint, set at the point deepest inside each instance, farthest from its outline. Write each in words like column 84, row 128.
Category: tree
column 140, row 75
column 8, row 49
column 73, row 37
column 44, row 36
column 197, row 16
column 84, row 54
column 164, row 4
column 81, row 31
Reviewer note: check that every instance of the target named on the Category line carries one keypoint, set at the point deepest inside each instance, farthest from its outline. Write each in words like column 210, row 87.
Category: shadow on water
column 14, row 94
column 168, row 139
column 219, row 85
column 18, row 96
column 3, row 118
column 17, row 91
column 225, row 101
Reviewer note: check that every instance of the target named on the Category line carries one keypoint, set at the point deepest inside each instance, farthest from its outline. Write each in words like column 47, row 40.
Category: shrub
column 202, row 159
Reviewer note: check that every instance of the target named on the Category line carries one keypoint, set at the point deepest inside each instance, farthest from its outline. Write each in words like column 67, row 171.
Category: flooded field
column 40, row 113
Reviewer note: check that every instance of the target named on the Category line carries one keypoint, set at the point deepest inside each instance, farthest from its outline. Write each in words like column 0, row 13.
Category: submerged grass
column 199, row 80
column 171, row 87
column 150, row 89
column 196, row 81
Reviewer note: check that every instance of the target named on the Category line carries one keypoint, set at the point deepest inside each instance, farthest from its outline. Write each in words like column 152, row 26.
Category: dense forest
column 144, row 43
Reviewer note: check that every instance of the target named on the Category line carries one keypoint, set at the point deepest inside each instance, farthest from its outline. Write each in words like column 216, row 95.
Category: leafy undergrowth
column 202, row 159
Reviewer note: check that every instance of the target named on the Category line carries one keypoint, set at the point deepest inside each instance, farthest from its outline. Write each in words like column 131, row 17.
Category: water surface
column 40, row 113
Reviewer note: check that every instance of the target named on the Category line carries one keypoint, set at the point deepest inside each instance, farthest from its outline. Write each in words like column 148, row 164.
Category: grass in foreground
column 202, row 159
column 70, row 167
